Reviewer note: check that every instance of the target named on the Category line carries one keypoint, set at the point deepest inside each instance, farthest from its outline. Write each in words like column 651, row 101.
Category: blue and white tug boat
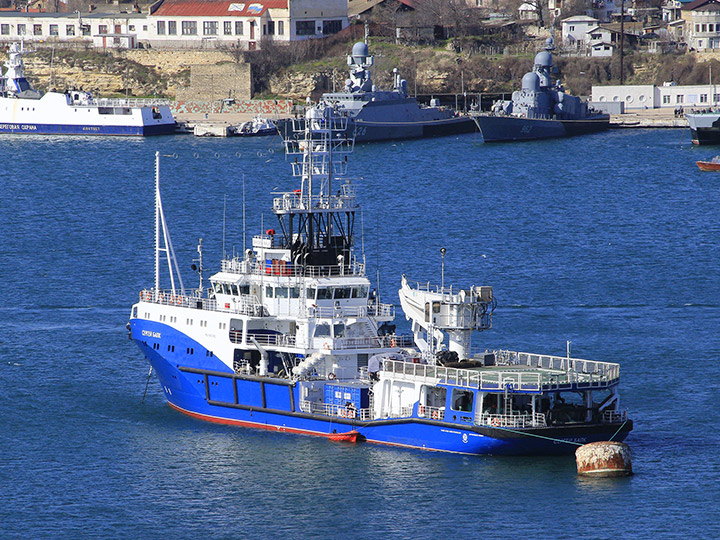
column 289, row 337
column 26, row 110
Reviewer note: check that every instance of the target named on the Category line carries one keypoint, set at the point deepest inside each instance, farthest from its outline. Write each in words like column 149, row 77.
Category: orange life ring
column 351, row 413
column 178, row 300
column 421, row 410
column 392, row 342
column 436, row 415
column 160, row 297
column 495, row 422
column 326, row 346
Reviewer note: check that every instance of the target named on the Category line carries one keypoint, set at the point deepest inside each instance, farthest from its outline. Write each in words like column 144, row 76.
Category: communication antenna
column 243, row 191
column 161, row 226
column 223, row 232
column 442, row 270
column 199, row 267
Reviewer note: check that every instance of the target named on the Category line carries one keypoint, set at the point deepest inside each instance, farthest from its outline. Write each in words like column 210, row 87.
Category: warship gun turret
column 540, row 109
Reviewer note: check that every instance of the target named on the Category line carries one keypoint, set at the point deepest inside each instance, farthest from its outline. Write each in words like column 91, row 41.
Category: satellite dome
column 360, row 49
column 531, row 82
column 543, row 59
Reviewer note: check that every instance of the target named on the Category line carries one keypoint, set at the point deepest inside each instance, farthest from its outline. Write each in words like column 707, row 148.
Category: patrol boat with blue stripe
column 75, row 112
column 289, row 337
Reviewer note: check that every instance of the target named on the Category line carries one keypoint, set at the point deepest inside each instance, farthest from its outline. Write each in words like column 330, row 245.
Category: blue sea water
column 611, row 241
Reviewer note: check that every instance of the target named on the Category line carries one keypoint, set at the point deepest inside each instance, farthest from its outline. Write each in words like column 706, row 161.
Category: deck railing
column 557, row 373
column 278, row 267
column 327, row 409
column 526, row 420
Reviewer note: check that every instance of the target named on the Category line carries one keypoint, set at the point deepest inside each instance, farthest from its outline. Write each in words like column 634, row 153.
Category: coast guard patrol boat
column 289, row 337
column 26, row 110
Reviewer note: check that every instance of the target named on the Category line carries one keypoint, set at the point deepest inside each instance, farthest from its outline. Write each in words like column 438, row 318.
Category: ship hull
column 509, row 128
column 55, row 114
column 207, row 390
column 365, row 130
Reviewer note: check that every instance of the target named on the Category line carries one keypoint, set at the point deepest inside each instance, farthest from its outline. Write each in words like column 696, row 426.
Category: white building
column 184, row 23
column 574, row 29
column 657, row 97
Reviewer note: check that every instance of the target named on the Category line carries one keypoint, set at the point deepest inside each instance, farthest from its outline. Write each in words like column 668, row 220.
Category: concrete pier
column 648, row 118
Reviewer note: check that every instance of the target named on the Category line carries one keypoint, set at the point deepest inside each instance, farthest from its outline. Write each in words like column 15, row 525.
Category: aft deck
column 516, row 372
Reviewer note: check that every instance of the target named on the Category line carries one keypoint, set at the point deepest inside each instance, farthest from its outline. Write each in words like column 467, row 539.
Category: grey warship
column 376, row 115
column 541, row 109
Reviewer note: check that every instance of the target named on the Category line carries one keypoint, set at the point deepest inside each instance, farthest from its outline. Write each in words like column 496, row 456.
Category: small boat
column 347, row 437
column 712, row 165
column 256, row 127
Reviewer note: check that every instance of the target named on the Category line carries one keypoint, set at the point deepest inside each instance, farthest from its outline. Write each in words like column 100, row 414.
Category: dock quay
column 648, row 118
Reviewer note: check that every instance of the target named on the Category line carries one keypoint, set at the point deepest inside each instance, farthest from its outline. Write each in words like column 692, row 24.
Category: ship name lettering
column 149, row 333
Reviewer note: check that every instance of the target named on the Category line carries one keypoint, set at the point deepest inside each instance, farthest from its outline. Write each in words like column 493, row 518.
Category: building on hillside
column 575, row 28
column 702, row 24
column 602, row 49
column 668, row 96
column 183, row 24
column 103, row 29
column 672, row 9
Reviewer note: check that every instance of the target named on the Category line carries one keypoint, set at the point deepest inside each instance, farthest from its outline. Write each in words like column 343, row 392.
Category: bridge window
column 360, row 292
column 343, row 292
column 244, row 289
column 339, row 330
column 281, row 292
column 234, row 289
column 324, row 293
column 294, row 292
column 310, row 293
column 268, row 292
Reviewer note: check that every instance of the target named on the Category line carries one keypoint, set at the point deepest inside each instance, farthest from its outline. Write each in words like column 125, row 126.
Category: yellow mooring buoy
column 604, row 458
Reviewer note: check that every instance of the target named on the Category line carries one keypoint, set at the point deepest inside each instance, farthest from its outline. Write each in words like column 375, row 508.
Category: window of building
column 37, row 29
column 85, row 29
column 305, row 28
column 102, row 29
column 172, row 28
column 70, row 30
column 189, row 28
column 697, row 28
column 227, row 28
column 571, row 28
column 666, row 99
column 21, row 29
column 271, row 27
column 703, row 28
column 331, row 27
column 679, row 98
column 703, row 98
column 238, row 28
column 161, row 28
column 5, row 29
column 54, row 30
column 131, row 28
column 716, row 98
column 711, row 27
column 210, row 28
column 281, row 28
column 144, row 27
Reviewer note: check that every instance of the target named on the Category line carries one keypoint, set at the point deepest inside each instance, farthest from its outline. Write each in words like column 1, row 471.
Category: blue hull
column 66, row 129
column 201, row 386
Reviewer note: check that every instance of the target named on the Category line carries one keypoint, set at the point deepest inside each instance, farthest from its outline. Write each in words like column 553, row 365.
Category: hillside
column 313, row 67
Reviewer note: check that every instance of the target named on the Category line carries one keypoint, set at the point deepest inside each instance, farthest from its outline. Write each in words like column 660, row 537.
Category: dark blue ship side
column 541, row 109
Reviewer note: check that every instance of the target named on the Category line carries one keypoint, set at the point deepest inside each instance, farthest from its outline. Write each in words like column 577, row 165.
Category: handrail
column 278, row 267
column 556, row 373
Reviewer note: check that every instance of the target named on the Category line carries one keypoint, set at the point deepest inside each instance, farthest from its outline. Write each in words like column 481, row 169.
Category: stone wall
column 266, row 107
column 216, row 82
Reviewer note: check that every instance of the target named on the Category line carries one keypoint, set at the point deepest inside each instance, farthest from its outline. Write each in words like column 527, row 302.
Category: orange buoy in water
column 604, row 458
